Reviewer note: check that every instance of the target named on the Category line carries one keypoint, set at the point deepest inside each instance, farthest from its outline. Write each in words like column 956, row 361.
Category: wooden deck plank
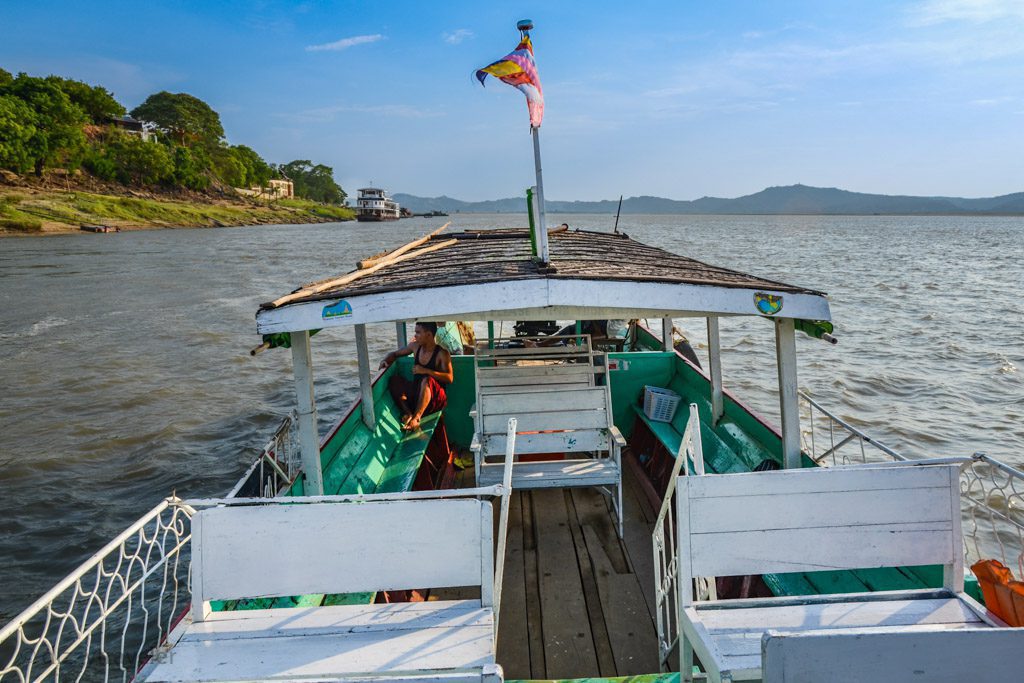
column 531, row 586
column 634, row 639
column 606, row 664
column 513, row 629
column 639, row 523
column 568, row 639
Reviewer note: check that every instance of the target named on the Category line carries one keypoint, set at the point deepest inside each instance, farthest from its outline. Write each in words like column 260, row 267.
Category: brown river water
column 125, row 372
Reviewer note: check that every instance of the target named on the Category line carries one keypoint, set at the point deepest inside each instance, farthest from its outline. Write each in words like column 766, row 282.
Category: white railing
column 991, row 492
column 276, row 467
column 666, row 562
column 109, row 616
column 113, row 613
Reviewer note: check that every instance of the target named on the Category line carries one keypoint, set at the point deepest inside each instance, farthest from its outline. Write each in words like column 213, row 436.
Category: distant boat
column 100, row 228
column 374, row 204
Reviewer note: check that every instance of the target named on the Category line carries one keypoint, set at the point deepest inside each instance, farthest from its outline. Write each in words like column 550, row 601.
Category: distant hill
column 789, row 200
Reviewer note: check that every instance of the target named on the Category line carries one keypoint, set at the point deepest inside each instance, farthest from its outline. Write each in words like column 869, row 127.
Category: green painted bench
column 356, row 459
column 721, row 456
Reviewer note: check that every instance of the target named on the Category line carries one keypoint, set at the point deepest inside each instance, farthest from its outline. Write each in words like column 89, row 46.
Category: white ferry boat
column 374, row 204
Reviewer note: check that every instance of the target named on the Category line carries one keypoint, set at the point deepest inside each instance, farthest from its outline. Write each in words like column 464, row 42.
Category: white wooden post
column 309, row 439
column 666, row 333
column 401, row 334
column 365, row 388
column 715, row 368
column 785, row 352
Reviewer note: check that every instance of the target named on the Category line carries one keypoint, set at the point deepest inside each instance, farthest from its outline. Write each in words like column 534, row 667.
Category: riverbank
column 28, row 211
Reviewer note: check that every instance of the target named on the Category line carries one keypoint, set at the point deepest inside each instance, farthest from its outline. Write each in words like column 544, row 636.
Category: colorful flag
column 520, row 71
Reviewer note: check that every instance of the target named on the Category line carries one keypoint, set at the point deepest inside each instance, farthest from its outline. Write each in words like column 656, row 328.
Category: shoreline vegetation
column 26, row 211
column 71, row 155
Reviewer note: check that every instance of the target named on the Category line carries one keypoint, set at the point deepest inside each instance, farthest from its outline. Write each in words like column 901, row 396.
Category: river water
column 126, row 373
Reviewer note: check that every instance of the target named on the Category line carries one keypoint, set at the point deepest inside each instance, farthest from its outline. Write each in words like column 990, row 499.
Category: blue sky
column 675, row 99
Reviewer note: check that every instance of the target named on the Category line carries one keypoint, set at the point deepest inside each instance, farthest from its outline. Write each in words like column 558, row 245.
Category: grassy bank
column 39, row 212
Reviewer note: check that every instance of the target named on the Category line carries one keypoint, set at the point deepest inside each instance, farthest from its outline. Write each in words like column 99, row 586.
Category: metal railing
column 276, row 467
column 109, row 616
column 112, row 614
column 991, row 492
column 664, row 538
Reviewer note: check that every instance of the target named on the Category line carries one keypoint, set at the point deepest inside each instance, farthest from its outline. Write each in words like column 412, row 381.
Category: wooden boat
column 100, row 228
column 588, row 552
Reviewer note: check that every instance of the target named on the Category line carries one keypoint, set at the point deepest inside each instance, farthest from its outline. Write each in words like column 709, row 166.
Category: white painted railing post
column 365, row 388
column 506, row 501
column 309, row 439
column 401, row 335
column 666, row 333
column 715, row 368
column 785, row 352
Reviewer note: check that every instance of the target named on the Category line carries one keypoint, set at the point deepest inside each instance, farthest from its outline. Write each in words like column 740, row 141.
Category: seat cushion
column 328, row 641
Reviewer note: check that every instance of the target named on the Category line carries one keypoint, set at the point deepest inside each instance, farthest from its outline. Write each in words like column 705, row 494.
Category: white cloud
column 457, row 36
column 974, row 11
column 345, row 43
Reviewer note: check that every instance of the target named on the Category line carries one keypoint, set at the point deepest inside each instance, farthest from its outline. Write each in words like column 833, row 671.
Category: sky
column 676, row 99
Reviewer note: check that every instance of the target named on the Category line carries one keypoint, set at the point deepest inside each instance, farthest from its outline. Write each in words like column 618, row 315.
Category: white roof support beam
column 666, row 334
column 365, row 386
column 785, row 351
column 537, row 299
column 309, row 440
column 401, row 334
column 715, row 370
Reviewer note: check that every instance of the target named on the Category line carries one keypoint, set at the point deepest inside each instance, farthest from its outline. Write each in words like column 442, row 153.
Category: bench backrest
column 277, row 549
column 551, row 419
column 818, row 519
column 889, row 656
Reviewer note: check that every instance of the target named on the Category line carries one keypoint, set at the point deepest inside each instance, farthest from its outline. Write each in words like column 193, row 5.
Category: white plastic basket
column 660, row 404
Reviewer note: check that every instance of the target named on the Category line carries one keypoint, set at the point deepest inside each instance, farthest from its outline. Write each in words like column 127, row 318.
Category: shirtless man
column 431, row 371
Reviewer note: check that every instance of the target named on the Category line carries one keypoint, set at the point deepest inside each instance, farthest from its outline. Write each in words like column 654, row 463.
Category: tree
column 313, row 182
column 5, row 77
column 97, row 102
column 58, row 127
column 139, row 162
column 17, row 128
column 228, row 167
column 188, row 119
column 257, row 171
column 190, row 168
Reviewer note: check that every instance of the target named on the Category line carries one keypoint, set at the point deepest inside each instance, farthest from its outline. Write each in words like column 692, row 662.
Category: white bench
column 938, row 655
column 812, row 520
column 285, row 547
column 553, row 393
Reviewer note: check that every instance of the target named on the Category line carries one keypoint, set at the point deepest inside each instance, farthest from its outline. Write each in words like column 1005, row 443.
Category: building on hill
column 275, row 189
column 132, row 126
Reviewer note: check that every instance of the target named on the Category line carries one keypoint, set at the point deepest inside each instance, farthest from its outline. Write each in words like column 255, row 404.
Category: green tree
column 97, row 102
column 139, row 162
column 228, row 167
column 188, row 119
column 17, row 128
column 58, row 135
column 257, row 171
column 313, row 182
column 5, row 77
column 190, row 168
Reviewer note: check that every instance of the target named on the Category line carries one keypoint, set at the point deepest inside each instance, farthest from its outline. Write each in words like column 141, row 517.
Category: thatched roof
column 478, row 257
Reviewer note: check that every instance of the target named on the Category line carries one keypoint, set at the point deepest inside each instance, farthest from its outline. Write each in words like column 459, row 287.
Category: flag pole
column 542, row 225
column 525, row 26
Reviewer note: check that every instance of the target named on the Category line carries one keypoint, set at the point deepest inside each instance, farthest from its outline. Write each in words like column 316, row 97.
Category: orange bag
column 993, row 577
column 1016, row 589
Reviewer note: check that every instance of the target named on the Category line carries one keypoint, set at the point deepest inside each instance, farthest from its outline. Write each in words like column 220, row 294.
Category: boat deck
column 576, row 602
